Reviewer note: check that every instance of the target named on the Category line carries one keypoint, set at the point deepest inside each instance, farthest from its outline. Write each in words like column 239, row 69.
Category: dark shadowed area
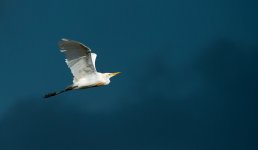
column 189, row 75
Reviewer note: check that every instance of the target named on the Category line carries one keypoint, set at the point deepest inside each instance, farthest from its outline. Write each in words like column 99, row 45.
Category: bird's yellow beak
column 114, row 74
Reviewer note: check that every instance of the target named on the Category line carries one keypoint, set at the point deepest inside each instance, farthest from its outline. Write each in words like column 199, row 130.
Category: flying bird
column 81, row 62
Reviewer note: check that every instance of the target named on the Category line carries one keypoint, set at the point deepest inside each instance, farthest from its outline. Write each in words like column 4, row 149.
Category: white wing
column 78, row 58
column 93, row 57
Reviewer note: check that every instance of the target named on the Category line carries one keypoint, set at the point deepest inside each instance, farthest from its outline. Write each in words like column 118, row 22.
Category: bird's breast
column 89, row 82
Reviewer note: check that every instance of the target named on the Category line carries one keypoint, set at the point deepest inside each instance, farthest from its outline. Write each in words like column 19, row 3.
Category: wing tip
column 61, row 44
column 64, row 43
column 64, row 39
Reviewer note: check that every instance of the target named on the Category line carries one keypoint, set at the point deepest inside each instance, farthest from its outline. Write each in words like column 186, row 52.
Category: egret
column 81, row 62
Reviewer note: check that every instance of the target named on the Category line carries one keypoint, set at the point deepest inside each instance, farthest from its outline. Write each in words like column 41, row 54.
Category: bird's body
column 95, row 80
column 81, row 62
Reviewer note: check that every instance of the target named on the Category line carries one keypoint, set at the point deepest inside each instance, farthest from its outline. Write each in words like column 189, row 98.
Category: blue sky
column 189, row 73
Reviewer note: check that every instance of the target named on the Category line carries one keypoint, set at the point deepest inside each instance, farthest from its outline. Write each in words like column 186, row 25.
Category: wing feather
column 93, row 57
column 79, row 58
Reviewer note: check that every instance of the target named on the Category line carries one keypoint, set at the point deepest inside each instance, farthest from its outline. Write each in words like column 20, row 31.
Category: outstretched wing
column 78, row 58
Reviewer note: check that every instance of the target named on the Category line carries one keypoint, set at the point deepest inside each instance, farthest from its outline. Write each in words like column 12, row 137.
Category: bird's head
column 110, row 75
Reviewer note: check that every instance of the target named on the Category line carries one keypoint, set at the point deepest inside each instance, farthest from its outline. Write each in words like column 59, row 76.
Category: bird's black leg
column 69, row 88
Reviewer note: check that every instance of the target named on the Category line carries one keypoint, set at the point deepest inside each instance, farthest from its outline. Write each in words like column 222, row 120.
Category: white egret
column 81, row 62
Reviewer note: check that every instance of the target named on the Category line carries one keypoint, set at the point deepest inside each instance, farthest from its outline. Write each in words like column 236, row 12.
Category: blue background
column 189, row 75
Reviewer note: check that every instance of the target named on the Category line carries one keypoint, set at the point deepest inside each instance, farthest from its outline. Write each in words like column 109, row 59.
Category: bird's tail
column 69, row 88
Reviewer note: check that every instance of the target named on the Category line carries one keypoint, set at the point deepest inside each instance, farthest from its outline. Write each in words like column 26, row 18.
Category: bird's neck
column 104, row 78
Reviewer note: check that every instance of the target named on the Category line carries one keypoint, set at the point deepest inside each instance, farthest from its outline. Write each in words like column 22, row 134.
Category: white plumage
column 81, row 62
